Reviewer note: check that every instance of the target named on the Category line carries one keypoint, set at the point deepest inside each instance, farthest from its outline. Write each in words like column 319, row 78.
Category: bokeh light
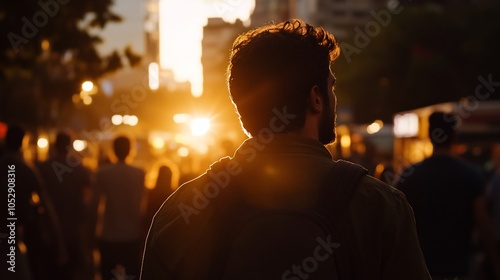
column 199, row 126
column 42, row 143
column 87, row 86
column 183, row 152
column 79, row 145
column 116, row 119
column 374, row 127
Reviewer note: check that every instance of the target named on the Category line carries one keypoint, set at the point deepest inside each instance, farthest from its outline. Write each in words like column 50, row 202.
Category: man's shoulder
column 192, row 204
column 186, row 219
column 188, row 201
column 375, row 195
column 372, row 184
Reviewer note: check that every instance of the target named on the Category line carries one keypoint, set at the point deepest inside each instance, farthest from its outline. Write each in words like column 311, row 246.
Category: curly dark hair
column 276, row 65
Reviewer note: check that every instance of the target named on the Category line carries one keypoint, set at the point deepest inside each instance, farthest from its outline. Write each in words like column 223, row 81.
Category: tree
column 48, row 49
column 427, row 54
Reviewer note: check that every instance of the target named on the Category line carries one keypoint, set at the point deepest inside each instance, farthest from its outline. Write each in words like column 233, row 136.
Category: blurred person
column 494, row 187
column 493, row 192
column 68, row 184
column 252, row 216
column 447, row 196
column 37, row 225
column 161, row 191
column 120, row 187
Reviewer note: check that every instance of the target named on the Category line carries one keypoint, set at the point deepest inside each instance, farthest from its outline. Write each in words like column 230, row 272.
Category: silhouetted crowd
column 73, row 223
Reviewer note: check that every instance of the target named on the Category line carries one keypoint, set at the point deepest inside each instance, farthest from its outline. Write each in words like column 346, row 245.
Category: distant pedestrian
column 161, row 191
column 493, row 192
column 121, row 189
column 448, row 199
column 67, row 182
column 37, row 224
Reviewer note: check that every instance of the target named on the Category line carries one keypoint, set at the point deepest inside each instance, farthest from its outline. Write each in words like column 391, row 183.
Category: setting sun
column 181, row 32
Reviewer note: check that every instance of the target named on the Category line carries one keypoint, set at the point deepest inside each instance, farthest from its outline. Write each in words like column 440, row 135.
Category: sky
column 127, row 32
column 181, row 31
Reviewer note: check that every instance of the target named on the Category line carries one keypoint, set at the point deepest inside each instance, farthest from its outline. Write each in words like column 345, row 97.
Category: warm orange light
column 182, row 118
column 181, row 32
column 158, row 143
column 35, row 198
column 87, row 86
column 87, row 100
column 45, row 45
column 406, row 125
column 133, row 120
column 42, row 143
column 75, row 98
column 22, row 247
column 345, row 141
column 116, row 119
column 199, row 126
column 154, row 76
column 79, row 145
column 183, row 152
column 374, row 127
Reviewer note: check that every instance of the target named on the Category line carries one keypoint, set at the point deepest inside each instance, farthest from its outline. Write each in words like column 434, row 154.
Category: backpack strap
column 339, row 186
column 335, row 196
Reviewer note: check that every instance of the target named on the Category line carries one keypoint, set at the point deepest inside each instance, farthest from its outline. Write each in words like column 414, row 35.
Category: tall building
column 304, row 9
column 270, row 10
column 218, row 37
column 152, row 31
column 341, row 16
column 337, row 16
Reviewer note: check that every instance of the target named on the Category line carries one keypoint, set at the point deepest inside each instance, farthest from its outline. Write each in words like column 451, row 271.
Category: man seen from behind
column 257, row 215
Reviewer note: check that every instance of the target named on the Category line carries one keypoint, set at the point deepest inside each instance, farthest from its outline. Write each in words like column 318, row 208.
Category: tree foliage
column 427, row 54
column 48, row 48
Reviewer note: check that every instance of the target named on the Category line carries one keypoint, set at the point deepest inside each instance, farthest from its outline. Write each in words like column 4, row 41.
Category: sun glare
column 181, row 32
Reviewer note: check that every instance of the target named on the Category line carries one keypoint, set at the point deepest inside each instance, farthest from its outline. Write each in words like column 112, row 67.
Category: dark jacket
column 281, row 172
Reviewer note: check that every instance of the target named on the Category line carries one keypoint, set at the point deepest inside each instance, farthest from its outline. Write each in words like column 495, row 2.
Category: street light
column 79, row 145
column 88, row 89
column 131, row 120
column 154, row 76
column 116, row 119
column 374, row 127
column 42, row 142
column 87, row 86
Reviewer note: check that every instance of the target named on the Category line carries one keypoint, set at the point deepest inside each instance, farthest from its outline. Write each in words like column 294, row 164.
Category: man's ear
column 315, row 100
